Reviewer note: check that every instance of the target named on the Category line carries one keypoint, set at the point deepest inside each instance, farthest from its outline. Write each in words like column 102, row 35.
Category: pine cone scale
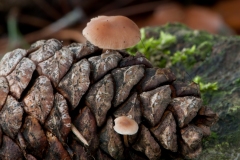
column 49, row 90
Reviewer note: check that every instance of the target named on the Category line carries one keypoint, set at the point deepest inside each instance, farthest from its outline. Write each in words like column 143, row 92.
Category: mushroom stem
column 79, row 135
column 125, row 139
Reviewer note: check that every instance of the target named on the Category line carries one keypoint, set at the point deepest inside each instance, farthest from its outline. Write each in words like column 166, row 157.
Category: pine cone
column 61, row 102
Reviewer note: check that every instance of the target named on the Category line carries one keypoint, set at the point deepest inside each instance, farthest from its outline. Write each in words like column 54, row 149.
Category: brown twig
column 69, row 34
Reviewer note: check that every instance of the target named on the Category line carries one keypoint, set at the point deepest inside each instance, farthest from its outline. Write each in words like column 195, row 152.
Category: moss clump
column 152, row 46
column 185, row 56
column 155, row 49
column 205, row 86
column 197, row 37
column 169, row 46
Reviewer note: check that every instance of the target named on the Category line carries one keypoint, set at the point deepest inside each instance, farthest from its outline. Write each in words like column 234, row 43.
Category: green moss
column 204, row 49
column 185, row 56
column 213, row 136
column 205, row 86
column 237, row 82
column 221, row 147
column 161, row 46
column 234, row 138
column 233, row 108
column 152, row 46
column 197, row 37
column 188, row 57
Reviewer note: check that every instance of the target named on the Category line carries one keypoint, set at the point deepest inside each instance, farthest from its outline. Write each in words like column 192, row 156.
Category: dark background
column 23, row 22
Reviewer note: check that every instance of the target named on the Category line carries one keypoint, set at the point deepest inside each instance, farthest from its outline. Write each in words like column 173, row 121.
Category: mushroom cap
column 125, row 125
column 112, row 32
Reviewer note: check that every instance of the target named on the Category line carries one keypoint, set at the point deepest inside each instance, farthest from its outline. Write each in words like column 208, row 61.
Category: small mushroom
column 125, row 126
column 112, row 32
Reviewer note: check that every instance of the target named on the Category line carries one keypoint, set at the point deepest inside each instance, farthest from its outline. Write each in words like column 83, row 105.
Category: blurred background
column 25, row 21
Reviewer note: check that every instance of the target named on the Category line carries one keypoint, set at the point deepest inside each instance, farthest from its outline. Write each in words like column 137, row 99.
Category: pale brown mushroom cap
column 125, row 125
column 112, row 32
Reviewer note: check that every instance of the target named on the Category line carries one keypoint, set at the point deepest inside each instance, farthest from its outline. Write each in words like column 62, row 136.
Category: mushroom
column 112, row 32
column 125, row 126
